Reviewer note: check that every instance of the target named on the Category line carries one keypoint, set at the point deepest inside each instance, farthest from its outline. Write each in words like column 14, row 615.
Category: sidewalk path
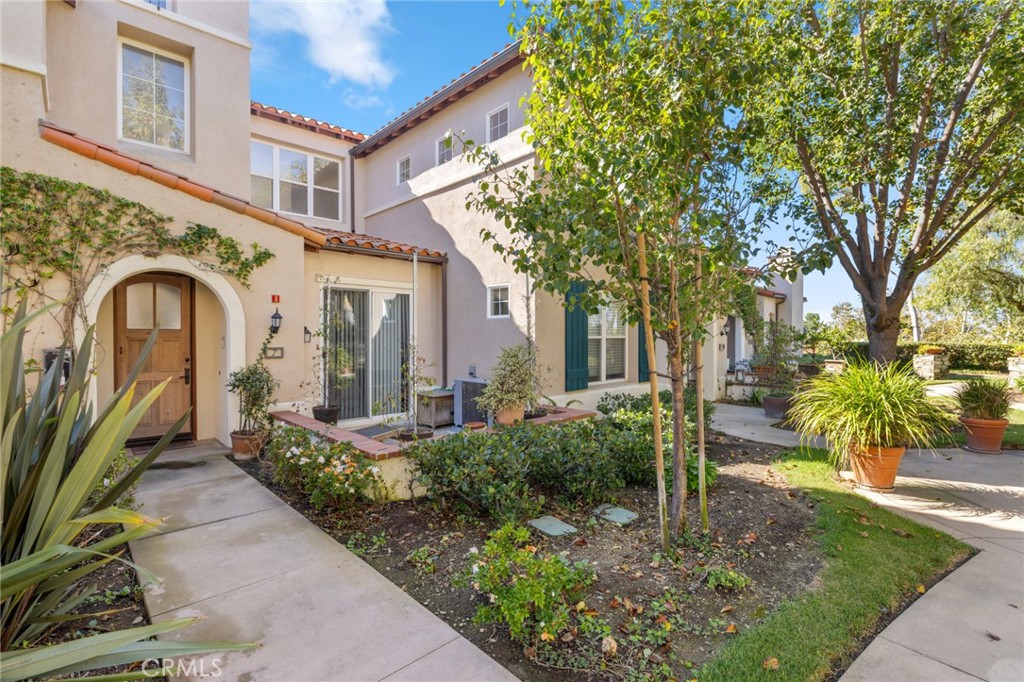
column 969, row 626
column 258, row 571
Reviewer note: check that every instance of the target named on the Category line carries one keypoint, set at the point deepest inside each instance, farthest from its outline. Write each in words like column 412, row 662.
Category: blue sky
column 360, row 63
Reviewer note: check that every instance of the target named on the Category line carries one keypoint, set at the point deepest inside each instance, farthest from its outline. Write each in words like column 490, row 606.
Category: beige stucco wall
column 306, row 141
column 82, row 53
column 23, row 35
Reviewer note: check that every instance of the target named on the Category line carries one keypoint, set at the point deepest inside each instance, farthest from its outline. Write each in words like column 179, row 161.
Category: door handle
column 187, row 376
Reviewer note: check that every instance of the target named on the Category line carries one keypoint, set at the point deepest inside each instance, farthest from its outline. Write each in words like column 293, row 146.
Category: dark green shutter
column 576, row 370
column 641, row 356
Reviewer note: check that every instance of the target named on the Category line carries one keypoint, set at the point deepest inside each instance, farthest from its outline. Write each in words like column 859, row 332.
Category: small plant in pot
column 777, row 402
column 513, row 385
column 254, row 385
column 983, row 407
column 869, row 414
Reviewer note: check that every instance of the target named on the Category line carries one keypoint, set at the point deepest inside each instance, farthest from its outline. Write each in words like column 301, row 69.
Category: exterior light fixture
column 307, row 335
column 275, row 321
column 725, row 329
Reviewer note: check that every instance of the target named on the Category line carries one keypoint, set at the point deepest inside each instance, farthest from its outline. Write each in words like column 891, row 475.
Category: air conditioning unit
column 466, row 393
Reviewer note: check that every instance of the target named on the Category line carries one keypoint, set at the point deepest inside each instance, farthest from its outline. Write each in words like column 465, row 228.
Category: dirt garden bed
column 760, row 528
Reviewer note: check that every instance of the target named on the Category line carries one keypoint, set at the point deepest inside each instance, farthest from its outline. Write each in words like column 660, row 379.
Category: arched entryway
column 205, row 341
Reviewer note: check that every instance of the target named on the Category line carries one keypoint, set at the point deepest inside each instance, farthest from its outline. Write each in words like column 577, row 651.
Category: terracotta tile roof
column 311, row 124
column 365, row 242
column 771, row 293
column 112, row 157
column 497, row 64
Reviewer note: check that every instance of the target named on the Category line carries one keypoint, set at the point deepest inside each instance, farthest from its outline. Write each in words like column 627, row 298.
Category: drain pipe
column 415, row 351
column 444, row 322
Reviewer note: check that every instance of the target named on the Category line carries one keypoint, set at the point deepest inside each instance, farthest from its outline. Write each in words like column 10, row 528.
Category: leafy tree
column 848, row 321
column 982, row 281
column 638, row 136
column 892, row 129
column 813, row 333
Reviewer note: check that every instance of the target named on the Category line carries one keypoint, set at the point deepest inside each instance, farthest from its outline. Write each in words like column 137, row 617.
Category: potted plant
column 415, row 376
column 512, row 386
column 782, row 353
column 930, row 349
column 779, row 398
column 869, row 414
column 983, row 406
column 254, row 385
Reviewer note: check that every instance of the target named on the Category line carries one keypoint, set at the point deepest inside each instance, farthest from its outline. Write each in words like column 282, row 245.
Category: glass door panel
column 347, row 360
column 389, row 341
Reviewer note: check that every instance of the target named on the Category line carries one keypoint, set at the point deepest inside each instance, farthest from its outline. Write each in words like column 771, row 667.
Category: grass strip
column 869, row 567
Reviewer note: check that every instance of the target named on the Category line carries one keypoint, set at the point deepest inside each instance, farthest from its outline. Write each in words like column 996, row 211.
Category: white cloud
column 359, row 100
column 342, row 37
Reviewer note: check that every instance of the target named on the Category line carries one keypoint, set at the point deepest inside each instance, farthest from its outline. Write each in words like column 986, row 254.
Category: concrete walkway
column 969, row 626
column 258, row 571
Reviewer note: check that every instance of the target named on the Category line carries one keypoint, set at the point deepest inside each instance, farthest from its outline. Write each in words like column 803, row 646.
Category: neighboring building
column 150, row 100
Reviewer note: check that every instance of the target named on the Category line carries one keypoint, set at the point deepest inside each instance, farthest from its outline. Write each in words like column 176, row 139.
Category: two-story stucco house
column 150, row 100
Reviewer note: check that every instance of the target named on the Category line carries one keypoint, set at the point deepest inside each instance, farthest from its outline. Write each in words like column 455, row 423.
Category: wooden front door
column 141, row 304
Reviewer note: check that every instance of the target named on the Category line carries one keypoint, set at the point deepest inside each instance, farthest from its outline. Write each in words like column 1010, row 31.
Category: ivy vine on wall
column 58, row 235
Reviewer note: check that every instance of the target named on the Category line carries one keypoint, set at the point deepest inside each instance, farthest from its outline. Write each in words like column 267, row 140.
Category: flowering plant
column 332, row 474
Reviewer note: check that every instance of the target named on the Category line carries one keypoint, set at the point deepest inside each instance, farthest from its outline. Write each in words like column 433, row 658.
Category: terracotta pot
column 776, row 407
column 474, row 426
column 244, row 445
column 875, row 467
column 510, row 416
column 984, row 435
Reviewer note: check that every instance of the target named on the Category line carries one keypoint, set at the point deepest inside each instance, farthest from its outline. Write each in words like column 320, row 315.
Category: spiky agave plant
column 52, row 455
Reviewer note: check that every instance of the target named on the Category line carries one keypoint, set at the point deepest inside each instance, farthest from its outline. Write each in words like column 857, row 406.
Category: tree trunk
column 677, row 507
column 882, row 342
column 915, row 324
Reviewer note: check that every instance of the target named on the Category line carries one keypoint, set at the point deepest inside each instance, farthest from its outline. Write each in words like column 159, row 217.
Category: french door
column 367, row 339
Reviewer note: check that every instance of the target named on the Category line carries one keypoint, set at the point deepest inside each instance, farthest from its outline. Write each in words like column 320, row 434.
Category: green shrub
column 984, row 399
column 727, row 579
column 613, row 402
column 570, row 460
column 488, row 471
column 332, row 474
column 533, row 595
column 983, row 356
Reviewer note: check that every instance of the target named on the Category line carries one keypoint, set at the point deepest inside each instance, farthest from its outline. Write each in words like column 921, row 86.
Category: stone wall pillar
column 928, row 366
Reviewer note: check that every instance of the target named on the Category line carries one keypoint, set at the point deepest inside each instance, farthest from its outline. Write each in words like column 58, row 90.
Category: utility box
column 466, row 393
column 437, row 407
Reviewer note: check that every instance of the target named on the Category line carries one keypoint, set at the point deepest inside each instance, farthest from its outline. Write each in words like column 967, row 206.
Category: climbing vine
column 66, row 233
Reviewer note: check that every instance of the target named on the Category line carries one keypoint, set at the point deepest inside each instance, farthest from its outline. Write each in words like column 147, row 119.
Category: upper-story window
column 497, row 301
column 154, row 97
column 445, row 149
column 159, row 4
column 497, row 123
column 403, row 170
column 295, row 182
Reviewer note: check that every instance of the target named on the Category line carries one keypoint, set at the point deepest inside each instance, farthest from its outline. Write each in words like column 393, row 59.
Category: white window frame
column 508, row 301
column 603, row 373
column 398, row 170
column 437, row 150
column 310, row 181
column 508, row 122
column 187, row 66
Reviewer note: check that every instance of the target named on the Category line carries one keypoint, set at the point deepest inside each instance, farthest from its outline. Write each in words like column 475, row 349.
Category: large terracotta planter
column 875, row 467
column 777, row 407
column 984, row 435
column 510, row 416
column 244, row 445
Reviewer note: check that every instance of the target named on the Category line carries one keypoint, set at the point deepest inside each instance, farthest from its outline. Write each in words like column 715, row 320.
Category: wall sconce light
column 725, row 330
column 275, row 321
column 307, row 335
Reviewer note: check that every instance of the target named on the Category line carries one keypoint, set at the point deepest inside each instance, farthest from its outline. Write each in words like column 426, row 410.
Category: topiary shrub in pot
column 513, row 385
column 869, row 414
column 254, row 385
column 983, row 407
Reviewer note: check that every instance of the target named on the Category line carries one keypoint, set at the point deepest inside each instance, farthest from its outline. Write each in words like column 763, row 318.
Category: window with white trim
column 606, row 343
column 291, row 181
column 497, row 123
column 403, row 170
column 154, row 97
column 497, row 301
column 445, row 149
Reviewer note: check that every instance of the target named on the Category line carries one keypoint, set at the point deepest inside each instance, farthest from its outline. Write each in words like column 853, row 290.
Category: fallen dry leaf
column 614, row 603
column 609, row 647
column 863, row 533
column 771, row 520
column 902, row 533
column 726, row 609
column 546, row 636
column 731, row 630
column 567, row 637
column 770, row 663
column 581, row 605
column 921, row 589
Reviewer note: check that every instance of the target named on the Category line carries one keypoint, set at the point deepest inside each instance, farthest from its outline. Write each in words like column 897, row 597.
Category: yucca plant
column 52, row 455
column 984, row 399
column 869, row 405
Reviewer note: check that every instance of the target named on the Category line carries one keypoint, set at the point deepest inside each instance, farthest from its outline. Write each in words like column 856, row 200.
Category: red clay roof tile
column 282, row 116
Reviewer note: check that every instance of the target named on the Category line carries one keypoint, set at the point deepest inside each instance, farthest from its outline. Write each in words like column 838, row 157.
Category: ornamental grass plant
column 984, row 399
column 868, row 405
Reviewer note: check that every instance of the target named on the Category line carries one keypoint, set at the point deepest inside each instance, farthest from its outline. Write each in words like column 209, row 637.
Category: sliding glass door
column 367, row 349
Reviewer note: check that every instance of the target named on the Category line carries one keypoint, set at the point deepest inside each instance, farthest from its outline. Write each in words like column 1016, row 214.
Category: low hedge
column 984, row 356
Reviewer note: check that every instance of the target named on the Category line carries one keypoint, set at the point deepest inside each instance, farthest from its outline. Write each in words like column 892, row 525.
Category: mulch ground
column 759, row 526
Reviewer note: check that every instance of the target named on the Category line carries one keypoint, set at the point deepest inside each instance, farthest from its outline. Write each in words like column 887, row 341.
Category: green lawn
column 1014, row 438
column 869, row 568
column 965, row 374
